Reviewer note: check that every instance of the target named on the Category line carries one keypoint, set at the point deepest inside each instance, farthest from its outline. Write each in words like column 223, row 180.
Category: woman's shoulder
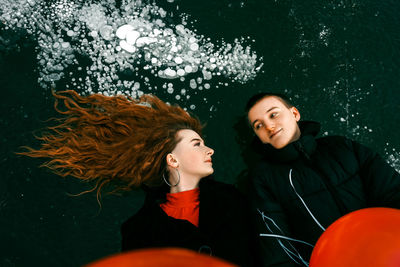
column 209, row 183
column 212, row 189
column 135, row 219
column 149, row 211
column 139, row 230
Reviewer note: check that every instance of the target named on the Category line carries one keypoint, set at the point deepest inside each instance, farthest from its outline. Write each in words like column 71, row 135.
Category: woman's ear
column 172, row 161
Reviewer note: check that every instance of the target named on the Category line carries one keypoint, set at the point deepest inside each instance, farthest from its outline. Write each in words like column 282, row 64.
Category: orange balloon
column 160, row 257
column 363, row 238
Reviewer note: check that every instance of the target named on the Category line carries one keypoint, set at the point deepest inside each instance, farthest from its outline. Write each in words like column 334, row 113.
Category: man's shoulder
column 339, row 149
column 265, row 171
column 334, row 142
column 263, row 165
column 332, row 139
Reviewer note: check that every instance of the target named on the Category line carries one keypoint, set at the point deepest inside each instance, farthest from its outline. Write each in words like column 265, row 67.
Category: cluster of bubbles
column 393, row 157
column 104, row 47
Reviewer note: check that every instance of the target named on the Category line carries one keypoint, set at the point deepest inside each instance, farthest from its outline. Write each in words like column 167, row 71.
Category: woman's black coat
column 225, row 228
column 332, row 176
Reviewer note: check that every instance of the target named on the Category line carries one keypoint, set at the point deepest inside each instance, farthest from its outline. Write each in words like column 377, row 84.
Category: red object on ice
column 160, row 257
column 363, row 238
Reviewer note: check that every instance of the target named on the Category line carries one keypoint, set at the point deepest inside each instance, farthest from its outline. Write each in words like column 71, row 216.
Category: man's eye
column 273, row 115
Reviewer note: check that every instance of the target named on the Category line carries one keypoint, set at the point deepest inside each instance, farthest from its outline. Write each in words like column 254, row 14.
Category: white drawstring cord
column 279, row 237
column 293, row 255
column 305, row 205
column 287, row 238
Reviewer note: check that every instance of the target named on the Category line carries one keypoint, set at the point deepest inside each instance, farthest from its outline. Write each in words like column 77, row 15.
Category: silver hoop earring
column 166, row 181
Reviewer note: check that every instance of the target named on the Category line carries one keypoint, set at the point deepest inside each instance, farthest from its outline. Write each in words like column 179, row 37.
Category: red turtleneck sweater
column 183, row 205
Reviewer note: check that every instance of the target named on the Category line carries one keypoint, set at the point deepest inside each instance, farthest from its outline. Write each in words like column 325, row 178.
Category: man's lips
column 275, row 133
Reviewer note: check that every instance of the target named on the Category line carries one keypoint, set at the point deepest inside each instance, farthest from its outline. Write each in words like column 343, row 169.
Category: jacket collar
column 158, row 194
column 304, row 146
column 214, row 204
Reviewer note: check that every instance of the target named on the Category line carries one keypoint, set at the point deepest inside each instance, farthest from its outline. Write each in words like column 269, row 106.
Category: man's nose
column 269, row 126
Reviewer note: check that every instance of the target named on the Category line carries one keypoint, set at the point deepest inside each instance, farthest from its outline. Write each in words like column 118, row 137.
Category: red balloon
column 160, row 257
column 363, row 238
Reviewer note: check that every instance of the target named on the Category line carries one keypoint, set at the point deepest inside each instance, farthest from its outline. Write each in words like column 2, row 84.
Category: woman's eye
column 258, row 126
column 273, row 115
column 197, row 144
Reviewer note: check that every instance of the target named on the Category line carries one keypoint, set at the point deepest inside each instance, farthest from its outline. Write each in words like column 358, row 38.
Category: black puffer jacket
column 331, row 175
column 225, row 228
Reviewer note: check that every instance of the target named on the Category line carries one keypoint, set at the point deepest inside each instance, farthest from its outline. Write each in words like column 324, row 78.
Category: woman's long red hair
column 115, row 140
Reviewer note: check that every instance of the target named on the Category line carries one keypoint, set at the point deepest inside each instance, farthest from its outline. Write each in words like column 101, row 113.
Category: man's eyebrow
column 270, row 109
column 265, row 112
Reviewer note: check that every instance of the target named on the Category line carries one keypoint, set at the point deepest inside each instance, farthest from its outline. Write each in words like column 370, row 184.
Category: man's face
column 273, row 122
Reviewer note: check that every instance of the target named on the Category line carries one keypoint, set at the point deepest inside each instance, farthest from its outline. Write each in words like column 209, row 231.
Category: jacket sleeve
column 272, row 220
column 381, row 181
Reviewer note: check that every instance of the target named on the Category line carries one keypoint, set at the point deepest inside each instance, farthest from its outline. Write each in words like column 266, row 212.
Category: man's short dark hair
column 257, row 97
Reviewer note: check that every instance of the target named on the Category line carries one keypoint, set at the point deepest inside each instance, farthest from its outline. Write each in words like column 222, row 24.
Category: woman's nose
column 210, row 151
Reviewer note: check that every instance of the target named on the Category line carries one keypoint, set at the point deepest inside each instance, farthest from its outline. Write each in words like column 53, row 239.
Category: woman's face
column 191, row 156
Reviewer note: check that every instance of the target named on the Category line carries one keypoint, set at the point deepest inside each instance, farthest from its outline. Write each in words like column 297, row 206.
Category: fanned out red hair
column 115, row 139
